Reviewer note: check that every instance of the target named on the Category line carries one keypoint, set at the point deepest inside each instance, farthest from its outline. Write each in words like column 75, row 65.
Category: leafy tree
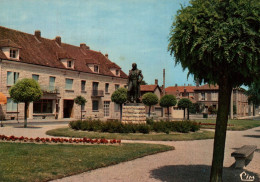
column 120, row 97
column 79, row 100
column 26, row 90
column 143, row 83
column 150, row 99
column 253, row 94
column 168, row 101
column 185, row 103
column 218, row 42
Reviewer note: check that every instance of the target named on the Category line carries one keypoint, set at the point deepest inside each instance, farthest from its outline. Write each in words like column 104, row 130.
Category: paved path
column 190, row 161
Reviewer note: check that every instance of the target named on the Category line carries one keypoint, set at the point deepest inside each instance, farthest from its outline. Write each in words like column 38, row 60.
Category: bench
column 244, row 155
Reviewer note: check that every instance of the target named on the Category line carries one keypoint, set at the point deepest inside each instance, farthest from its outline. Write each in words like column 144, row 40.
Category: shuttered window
column 69, row 84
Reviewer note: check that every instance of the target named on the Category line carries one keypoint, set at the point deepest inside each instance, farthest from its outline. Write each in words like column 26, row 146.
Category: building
column 181, row 91
column 63, row 71
column 156, row 89
column 207, row 95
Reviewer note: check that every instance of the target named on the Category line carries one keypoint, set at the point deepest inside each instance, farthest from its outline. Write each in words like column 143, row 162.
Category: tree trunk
column 81, row 114
column 168, row 113
column 121, row 108
column 26, row 105
column 220, row 131
column 184, row 113
column 149, row 111
column 188, row 117
column 253, row 109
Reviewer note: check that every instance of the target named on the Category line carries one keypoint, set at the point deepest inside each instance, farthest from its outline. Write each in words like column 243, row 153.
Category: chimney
column 197, row 83
column 37, row 34
column 84, row 46
column 176, row 85
column 184, row 84
column 156, row 82
column 58, row 40
column 106, row 56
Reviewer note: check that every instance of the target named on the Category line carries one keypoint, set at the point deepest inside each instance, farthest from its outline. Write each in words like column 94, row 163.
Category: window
column 106, row 108
column 117, row 72
column 69, row 64
column 106, row 88
column 116, row 86
column 83, row 85
column 95, row 86
column 43, row 106
column 12, row 77
column 52, row 83
column 11, row 105
column 35, row 77
column 13, row 53
column 94, row 105
column 69, row 84
column 117, row 107
column 96, row 68
column 214, row 96
column 203, row 96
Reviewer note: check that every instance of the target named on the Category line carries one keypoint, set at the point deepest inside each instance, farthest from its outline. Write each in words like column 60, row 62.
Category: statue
column 134, row 79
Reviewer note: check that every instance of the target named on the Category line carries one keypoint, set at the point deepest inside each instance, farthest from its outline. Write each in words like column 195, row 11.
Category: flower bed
column 213, row 124
column 58, row 140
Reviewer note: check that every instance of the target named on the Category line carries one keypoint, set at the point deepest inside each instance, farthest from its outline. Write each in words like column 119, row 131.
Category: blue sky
column 128, row 30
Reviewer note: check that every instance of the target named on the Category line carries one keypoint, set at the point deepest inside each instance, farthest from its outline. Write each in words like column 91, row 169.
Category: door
column 68, row 108
column 106, row 108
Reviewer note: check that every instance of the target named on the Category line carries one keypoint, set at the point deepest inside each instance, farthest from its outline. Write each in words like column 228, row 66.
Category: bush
column 116, row 126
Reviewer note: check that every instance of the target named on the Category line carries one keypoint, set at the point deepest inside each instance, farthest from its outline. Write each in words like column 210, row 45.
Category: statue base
column 134, row 113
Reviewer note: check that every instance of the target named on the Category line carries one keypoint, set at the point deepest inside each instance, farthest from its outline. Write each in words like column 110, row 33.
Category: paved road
column 189, row 162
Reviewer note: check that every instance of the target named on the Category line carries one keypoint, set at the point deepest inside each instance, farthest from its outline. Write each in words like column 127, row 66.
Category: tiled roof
column 46, row 52
column 207, row 87
column 148, row 88
column 180, row 89
column 8, row 43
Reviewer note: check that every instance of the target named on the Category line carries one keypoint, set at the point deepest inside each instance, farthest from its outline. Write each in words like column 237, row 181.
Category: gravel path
column 190, row 161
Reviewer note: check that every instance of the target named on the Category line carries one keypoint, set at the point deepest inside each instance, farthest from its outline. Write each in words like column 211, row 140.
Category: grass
column 238, row 124
column 68, row 132
column 34, row 162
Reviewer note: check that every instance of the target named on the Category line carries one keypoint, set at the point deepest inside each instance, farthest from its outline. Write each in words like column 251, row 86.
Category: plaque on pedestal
column 134, row 113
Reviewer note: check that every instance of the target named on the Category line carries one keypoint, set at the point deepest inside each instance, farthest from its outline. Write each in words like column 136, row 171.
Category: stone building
column 208, row 96
column 63, row 71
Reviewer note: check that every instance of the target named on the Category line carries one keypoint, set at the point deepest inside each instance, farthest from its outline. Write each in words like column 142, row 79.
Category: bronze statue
column 134, row 79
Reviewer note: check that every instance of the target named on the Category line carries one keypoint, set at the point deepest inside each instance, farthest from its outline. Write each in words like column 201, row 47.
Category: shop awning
column 3, row 99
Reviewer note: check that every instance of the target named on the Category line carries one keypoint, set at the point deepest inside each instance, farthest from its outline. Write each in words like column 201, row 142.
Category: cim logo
column 246, row 177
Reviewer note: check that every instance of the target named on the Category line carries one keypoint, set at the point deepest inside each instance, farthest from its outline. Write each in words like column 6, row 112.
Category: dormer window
column 13, row 53
column 69, row 64
column 96, row 68
column 117, row 72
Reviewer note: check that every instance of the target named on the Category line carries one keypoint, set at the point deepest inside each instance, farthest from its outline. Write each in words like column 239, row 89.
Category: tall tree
column 218, row 42
column 26, row 90
column 120, row 97
column 81, row 101
column 168, row 101
column 253, row 94
column 185, row 103
column 150, row 99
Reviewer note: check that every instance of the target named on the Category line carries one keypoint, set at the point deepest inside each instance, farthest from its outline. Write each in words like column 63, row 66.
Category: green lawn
column 68, row 132
column 238, row 124
column 34, row 162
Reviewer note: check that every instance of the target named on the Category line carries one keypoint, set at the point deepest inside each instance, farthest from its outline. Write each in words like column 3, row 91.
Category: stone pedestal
column 134, row 113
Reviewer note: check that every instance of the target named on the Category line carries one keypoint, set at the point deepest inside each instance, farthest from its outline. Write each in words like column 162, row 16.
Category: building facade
column 63, row 71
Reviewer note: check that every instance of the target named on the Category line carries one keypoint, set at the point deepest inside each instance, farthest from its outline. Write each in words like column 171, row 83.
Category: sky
column 127, row 30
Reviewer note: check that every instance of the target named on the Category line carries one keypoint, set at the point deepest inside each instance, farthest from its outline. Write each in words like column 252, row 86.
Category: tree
column 79, row 100
column 218, row 42
column 185, row 103
column 150, row 99
column 168, row 101
column 143, row 83
column 26, row 90
column 120, row 97
column 253, row 94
